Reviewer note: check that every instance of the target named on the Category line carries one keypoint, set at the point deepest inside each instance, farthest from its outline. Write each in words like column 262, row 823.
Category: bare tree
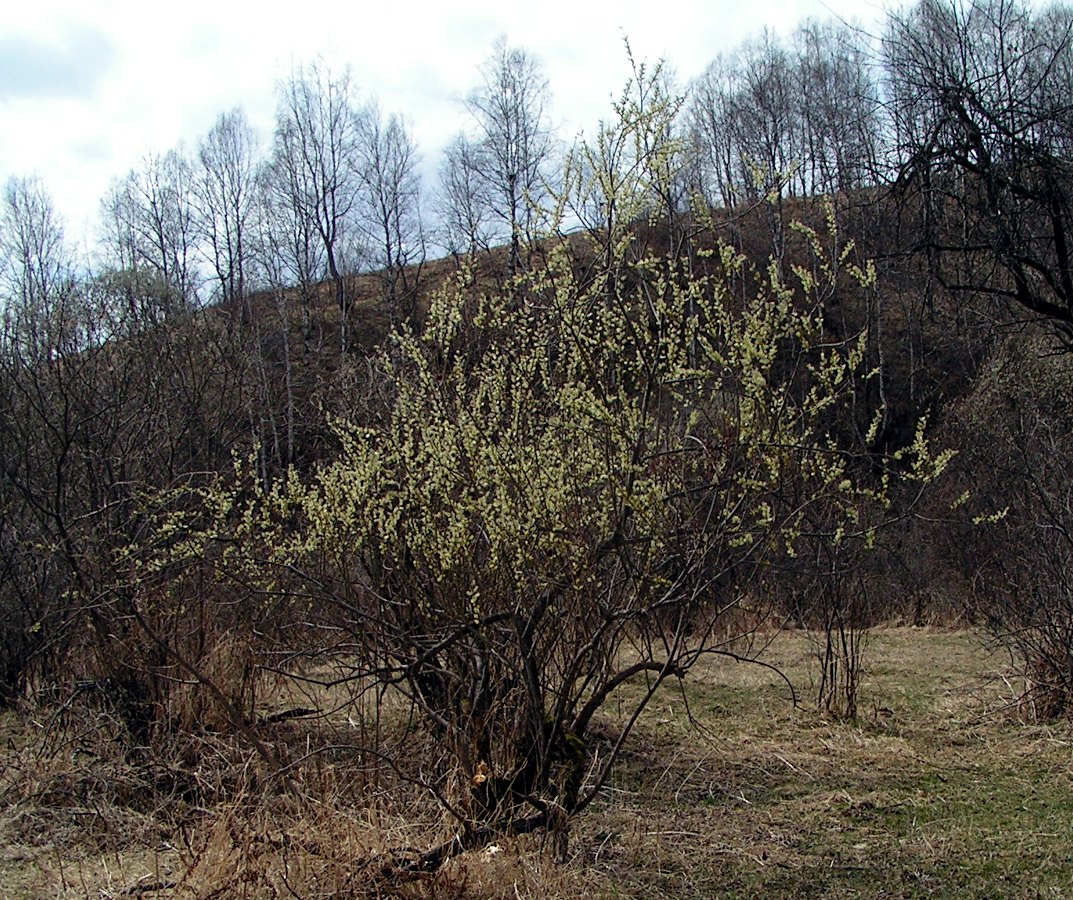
column 36, row 273
column 1008, row 548
column 150, row 227
column 96, row 403
column 317, row 166
column 801, row 118
column 838, row 97
column 514, row 141
column 290, row 252
column 767, row 113
column 464, row 204
column 285, row 264
column 713, row 132
column 225, row 198
column 982, row 110
column 746, row 129
column 393, row 209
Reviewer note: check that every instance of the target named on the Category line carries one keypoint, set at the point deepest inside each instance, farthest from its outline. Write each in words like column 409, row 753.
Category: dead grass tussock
column 77, row 817
column 270, row 852
column 82, row 793
column 321, row 850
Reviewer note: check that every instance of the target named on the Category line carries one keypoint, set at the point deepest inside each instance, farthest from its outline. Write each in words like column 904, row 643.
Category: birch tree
column 317, row 165
column 392, row 185
column 225, row 198
column 514, row 143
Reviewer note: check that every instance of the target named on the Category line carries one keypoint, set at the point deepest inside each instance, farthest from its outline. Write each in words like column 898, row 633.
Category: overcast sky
column 89, row 87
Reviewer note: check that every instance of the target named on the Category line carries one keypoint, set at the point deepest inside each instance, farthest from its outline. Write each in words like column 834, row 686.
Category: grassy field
column 943, row 788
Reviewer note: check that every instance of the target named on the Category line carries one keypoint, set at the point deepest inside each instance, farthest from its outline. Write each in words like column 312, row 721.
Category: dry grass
column 942, row 789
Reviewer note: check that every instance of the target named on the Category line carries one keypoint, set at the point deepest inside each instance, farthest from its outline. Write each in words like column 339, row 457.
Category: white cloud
column 68, row 63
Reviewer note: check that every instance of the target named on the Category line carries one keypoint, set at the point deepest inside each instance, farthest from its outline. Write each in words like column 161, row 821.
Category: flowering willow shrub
column 568, row 482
